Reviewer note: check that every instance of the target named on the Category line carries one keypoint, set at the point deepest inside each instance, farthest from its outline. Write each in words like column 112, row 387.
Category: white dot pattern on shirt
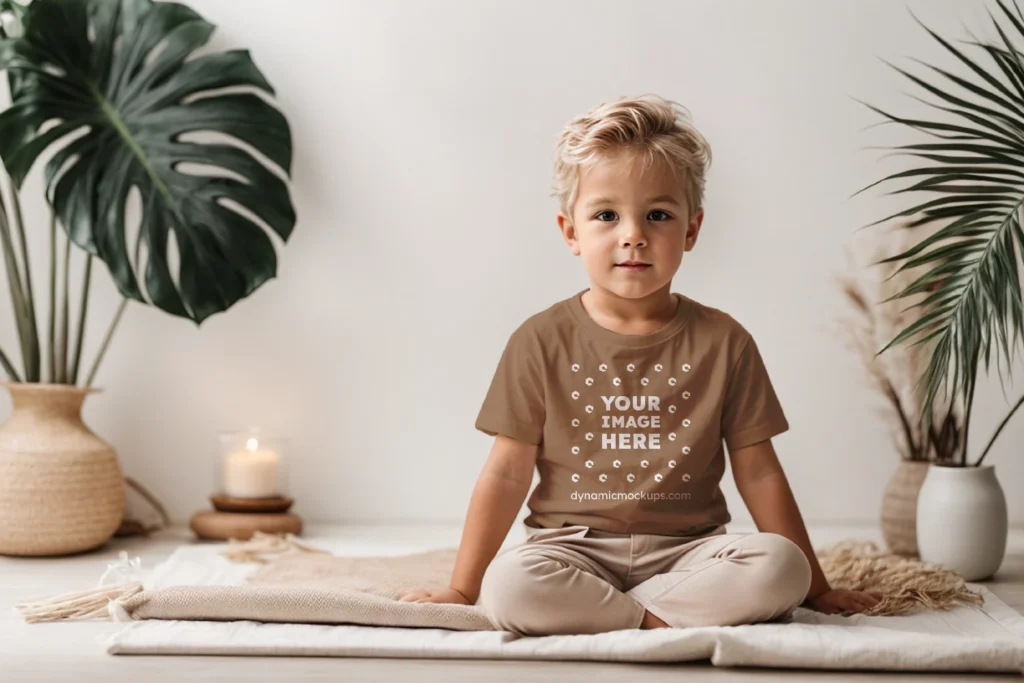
column 644, row 381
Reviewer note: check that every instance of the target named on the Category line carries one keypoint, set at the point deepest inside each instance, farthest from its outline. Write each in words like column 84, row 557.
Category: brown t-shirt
column 630, row 428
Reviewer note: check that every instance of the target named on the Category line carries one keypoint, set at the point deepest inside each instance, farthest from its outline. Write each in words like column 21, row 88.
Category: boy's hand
column 497, row 498
column 443, row 595
column 842, row 601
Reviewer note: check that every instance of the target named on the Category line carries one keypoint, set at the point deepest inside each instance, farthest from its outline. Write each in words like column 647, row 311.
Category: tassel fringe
column 263, row 547
column 105, row 602
column 905, row 584
column 92, row 604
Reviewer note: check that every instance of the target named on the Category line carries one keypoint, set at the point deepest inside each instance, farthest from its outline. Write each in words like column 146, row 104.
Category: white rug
column 989, row 638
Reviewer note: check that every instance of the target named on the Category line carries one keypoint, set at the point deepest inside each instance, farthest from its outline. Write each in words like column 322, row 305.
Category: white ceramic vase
column 962, row 520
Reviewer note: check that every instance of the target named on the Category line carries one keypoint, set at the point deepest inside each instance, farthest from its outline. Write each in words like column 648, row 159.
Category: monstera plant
column 110, row 90
column 167, row 165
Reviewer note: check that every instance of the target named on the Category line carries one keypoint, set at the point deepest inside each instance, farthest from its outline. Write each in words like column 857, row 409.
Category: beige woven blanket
column 321, row 589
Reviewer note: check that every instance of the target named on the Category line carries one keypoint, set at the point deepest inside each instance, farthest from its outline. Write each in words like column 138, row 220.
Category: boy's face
column 623, row 216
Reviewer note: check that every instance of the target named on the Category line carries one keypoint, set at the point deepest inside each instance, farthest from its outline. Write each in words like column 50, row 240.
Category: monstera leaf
column 110, row 85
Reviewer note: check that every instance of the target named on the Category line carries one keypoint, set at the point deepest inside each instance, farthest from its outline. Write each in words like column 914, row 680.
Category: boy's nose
column 632, row 238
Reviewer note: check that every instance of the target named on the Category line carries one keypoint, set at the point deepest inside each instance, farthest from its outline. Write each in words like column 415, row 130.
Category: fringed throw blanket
column 300, row 584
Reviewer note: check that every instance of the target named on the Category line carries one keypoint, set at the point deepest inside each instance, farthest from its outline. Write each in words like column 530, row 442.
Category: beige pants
column 580, row 580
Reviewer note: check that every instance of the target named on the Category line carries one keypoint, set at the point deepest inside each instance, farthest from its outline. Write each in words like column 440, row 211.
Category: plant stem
column 11, row 372
column 967, row 429
column 106, row 342
column 62, row 365
column 949, row 425
column 83, row 306
column 17, row 293
column 912, row 445
column 999, row 429
column 969, row 399
column 53, row 298
column 33, row 331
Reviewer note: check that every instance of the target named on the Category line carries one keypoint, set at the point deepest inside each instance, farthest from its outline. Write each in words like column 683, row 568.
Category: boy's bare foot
column 651, row 621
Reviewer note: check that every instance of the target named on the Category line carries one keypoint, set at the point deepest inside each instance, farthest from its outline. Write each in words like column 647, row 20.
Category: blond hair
column 648, row 124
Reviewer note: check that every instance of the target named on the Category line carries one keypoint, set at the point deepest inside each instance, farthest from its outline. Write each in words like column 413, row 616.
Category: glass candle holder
column 252, row 464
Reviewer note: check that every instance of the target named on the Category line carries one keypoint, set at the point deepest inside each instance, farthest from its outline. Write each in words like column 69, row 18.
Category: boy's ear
column 693, row 230
column 568, row 230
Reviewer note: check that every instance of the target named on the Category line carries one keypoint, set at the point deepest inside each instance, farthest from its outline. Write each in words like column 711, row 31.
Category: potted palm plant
column 973, row 310
column 112, row 89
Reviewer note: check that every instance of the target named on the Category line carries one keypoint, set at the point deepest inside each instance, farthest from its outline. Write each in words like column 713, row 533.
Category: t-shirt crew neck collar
column 663, row 333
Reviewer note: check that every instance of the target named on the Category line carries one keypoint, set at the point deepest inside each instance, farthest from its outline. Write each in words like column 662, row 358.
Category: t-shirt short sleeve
column 514, row 403
column 751, row 411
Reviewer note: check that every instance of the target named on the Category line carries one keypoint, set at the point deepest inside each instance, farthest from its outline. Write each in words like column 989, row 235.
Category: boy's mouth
column 633, row 266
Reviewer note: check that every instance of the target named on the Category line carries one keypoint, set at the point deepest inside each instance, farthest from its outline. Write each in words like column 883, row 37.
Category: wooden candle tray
column 225, row 503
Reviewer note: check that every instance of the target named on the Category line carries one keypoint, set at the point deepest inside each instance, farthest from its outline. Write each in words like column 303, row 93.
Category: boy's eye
column 656, row 215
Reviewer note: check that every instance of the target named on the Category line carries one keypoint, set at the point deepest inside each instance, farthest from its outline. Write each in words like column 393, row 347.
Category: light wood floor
column 72, row 651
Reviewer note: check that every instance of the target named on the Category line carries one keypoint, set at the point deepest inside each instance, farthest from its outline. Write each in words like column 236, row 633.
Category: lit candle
column 251, row 473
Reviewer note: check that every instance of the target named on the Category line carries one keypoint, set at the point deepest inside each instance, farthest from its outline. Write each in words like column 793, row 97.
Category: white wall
column 423, row 137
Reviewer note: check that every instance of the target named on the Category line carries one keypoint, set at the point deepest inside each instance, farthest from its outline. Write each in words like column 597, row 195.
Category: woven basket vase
column 899, row 507
column 61, row 488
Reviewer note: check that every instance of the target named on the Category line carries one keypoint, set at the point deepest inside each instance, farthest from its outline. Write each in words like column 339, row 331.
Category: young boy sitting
column 625, row 396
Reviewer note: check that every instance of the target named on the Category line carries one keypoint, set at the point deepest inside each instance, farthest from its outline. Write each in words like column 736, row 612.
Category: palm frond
column 974, row 307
